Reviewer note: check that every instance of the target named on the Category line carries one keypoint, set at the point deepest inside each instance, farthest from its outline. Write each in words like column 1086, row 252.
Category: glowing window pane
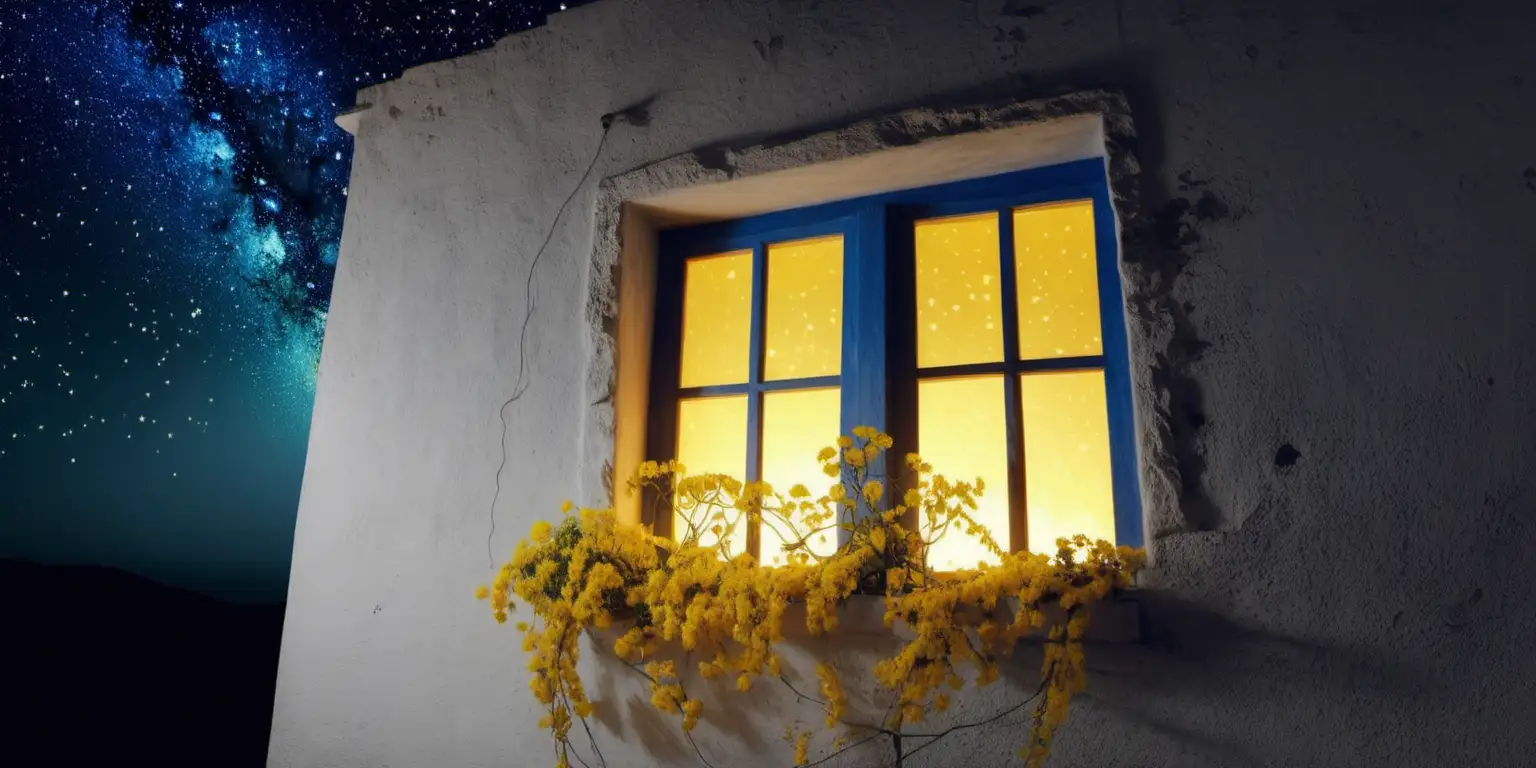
column 1056, row 267
column 959, row 299
column 717, row 320
column 803, row 317
column 796, row 425
column 1066, row 458
column 711, row 438
column 963, row 433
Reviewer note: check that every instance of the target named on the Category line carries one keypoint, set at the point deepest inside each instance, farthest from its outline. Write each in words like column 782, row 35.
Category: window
column 980, row 323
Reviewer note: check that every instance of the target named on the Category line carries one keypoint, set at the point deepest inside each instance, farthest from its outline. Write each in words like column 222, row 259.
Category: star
column 179, row 162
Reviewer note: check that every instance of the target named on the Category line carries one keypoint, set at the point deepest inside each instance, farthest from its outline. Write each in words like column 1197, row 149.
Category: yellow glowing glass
column 1066, row 458
column 803, row 317
column 796, row 425
column 959, row 296
column 711, row 438
column 1056, row 273
column 963, row 433
column 717, row 320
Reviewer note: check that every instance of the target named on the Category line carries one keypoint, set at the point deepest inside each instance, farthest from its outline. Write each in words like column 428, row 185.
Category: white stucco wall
column 1351, row 277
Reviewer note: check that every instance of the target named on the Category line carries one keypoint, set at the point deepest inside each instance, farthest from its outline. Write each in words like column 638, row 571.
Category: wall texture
column 1332, row 201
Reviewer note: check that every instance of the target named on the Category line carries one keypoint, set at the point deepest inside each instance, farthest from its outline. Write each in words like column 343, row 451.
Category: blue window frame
column 879, row 370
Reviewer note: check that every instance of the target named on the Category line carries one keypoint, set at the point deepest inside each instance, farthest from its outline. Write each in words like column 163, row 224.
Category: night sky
column 171, row 197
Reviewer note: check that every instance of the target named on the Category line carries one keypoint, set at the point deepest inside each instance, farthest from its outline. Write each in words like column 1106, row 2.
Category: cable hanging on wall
column 637, row 115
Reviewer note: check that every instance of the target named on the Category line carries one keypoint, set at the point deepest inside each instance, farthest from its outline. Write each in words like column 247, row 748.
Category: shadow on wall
column 1193, row 659
column 1194, row 674
column 110, row 668
column 734, row 724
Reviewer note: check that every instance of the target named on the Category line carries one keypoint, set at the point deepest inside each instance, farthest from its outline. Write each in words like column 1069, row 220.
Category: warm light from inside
column 1066, row 458
column 963, row 433
column 1058, row 286
column 797, row 424
column 712, row 438
column 803, row 314
column 717, row 320
column 959, row 294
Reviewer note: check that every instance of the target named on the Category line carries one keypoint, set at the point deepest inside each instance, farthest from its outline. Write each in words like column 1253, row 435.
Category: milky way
column 172, row 187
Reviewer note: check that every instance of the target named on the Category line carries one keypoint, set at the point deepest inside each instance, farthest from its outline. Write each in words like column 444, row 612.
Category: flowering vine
column 590, row 571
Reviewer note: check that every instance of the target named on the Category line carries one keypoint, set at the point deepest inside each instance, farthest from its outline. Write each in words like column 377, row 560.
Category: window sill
column 1115, row 621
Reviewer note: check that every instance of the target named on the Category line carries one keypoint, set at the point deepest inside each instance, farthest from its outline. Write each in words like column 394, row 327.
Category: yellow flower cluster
column 728, row 611
column 832, row 692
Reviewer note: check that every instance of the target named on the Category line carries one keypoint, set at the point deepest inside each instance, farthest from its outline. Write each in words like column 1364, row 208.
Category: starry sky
column 172, row 188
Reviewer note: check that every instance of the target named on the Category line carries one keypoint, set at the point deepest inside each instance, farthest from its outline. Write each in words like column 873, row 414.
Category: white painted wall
column 1365, row 295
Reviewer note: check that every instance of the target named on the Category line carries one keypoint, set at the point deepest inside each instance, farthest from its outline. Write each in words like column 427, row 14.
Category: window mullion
column 899, row 258
column 754, row 468
column 864, row 326
column 1018, row 507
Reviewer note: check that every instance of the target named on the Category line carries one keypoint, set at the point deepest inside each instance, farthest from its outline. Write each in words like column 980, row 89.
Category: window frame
column 878, row 373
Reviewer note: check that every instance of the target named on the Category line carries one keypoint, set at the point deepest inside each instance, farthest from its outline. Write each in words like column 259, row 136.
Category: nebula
column 172, row 188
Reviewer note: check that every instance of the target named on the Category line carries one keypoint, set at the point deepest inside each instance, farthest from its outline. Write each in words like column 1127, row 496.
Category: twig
column 697, row 751
column 934, row 738
column 797, row 692
column 896, row 736
column 593, row 739
column 686, row 734
column 886, row 718
column 570, row 749
column 878, row 730
column 835, row 753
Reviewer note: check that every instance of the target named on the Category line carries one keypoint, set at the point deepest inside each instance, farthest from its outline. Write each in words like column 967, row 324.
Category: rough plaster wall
column 1333, row 196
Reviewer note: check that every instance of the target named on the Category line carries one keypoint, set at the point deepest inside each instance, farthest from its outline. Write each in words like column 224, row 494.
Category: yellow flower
column 540, row 532
column 877, row 539
column 691, row 709
column 873, row 490
column 731, row 610
column 832, row 691
column 567, row 506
